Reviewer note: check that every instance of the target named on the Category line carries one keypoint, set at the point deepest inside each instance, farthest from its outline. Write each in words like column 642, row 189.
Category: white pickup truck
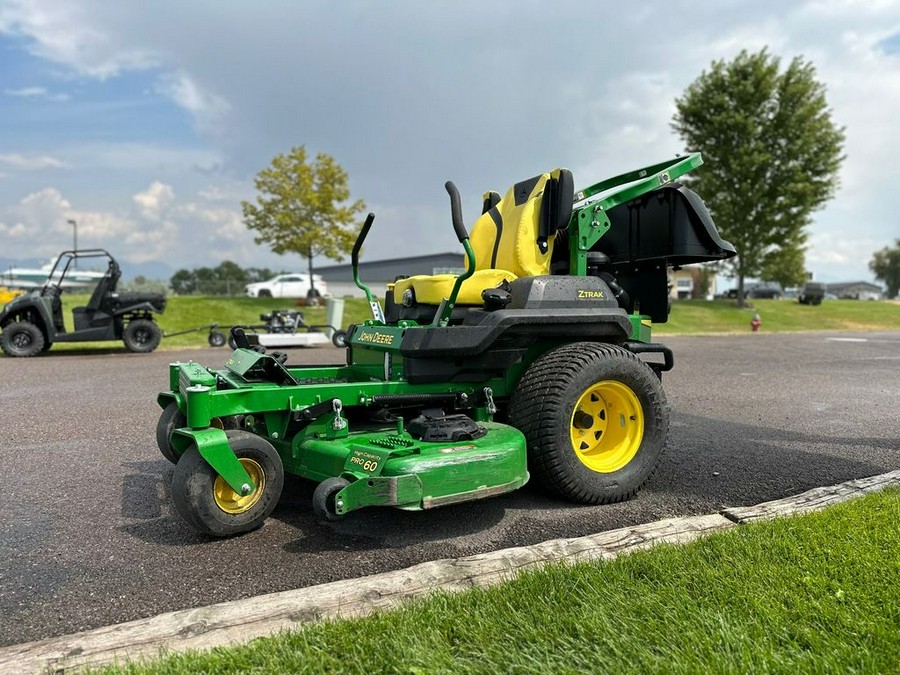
column 294, row 285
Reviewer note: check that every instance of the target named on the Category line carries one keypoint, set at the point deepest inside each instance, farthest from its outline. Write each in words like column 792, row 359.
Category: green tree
column 786, row 265
column 885, row 264
column 227, row 278
column 183, row 282
column 255, row 274
column 303, row 207
column 772, row 156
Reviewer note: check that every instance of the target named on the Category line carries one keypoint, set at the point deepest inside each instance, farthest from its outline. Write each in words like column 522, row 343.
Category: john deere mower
column 536, row 362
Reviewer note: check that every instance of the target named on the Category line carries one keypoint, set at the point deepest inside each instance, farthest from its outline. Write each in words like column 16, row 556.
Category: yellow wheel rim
column 234, row 502
column 607, row 426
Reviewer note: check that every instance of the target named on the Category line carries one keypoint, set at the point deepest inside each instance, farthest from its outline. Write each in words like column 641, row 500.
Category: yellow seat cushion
column 504, row 240
column 431, row 289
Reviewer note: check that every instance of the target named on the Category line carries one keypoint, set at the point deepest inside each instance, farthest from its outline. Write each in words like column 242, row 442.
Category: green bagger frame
column 536, row 362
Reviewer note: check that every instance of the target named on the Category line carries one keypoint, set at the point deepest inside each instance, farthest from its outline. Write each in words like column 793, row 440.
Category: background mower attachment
column 279, row 328
column 530, row 364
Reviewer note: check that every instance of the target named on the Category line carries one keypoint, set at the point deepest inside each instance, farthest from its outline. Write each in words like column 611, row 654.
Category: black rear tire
column 22, row 339
column 323, row 498
column 339, row 339
column 141, row 336
column 171, row 418
column 596, row 420
column 201, row 497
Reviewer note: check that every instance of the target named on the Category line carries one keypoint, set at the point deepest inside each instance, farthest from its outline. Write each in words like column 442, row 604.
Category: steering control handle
column 456, row 211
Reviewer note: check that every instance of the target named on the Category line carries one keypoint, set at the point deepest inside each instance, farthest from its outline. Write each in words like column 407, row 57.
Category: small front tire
column 141, row 336
column 323, row 498
column 210, row 505
column 171, row 418
column 22, row 339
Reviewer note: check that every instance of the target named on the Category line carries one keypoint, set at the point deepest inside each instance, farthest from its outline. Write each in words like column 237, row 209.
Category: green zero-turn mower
column 537, row 361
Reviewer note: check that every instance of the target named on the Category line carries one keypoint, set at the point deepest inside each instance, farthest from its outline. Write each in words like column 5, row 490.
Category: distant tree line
column 227, row 278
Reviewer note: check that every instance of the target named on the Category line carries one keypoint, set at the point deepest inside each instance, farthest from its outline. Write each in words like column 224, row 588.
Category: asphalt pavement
column 89, row 536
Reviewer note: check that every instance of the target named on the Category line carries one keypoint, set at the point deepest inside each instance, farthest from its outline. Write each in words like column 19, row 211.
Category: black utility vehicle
column 812, row 294
column 32, row 322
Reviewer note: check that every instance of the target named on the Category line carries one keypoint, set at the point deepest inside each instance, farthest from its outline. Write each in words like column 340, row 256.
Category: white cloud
column 36, row 92
column 67, row 33
column 26, row 92
column 154, row 199
column 208, row 108
column 43, row 226
column 116, row 157
column 26, row 162
column 226, row 223
column 13, row 231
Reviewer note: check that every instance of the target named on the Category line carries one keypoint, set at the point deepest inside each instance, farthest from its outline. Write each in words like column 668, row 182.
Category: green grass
column 183, row 312
column 779, row 316
column 816, row 593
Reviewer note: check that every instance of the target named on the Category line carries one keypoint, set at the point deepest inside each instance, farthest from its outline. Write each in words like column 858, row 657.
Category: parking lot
column 90, row 537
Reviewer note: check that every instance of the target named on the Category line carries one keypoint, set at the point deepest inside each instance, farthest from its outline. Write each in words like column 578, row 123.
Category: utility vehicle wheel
column 141, row 335
column 595, row 419
column 171, row 418
column 208, row 503
column 216, row 339
column 339, row 339
column 323, row 498
column 22, row 338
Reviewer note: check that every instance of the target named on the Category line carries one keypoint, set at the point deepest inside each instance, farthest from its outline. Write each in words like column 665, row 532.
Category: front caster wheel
column 210, row 505
column 323, row 498
column 171, row 418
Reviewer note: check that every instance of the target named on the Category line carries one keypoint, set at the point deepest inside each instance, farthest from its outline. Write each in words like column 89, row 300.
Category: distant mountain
column 130, row 270
column 150, row 270
column 6, row 263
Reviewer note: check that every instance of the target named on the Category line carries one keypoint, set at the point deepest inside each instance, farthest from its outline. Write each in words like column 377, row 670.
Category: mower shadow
column 381, row 528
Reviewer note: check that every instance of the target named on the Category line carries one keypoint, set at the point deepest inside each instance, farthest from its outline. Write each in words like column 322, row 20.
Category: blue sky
column 146, row 122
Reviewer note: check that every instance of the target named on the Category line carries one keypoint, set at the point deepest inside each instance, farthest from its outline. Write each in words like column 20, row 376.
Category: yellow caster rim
column 607, row 426
column 234, row 502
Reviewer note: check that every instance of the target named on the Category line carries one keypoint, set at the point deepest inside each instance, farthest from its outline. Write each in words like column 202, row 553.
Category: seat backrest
column 516, row 233
column 106, row 285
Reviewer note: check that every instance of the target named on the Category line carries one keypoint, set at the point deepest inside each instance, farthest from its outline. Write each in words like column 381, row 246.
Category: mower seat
column 513, row 238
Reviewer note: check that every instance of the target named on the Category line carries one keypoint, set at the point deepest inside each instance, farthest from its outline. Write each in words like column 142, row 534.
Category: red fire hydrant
column 755, row 323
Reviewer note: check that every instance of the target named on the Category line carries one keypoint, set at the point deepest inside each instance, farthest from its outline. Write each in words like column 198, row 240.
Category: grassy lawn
column 778, row 316
column 816, row 593
column 183, row 312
